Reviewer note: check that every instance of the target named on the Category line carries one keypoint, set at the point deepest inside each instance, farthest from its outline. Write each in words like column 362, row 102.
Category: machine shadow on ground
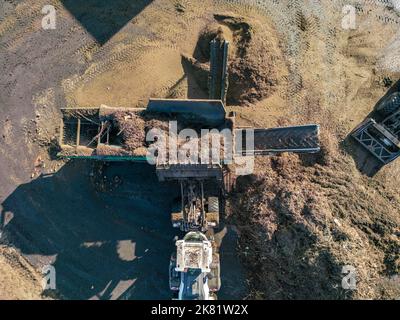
column 366, row 163
column 104, row 244
column 114, row 244
column 104, row 18
column 195, row 71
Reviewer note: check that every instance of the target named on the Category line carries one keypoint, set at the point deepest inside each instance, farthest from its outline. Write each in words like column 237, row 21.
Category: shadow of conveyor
column 103, row 245
column 104, row 18
column 366, row 163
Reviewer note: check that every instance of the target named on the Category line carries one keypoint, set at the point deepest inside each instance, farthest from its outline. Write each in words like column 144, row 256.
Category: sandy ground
column 18, row 279
column 316, row 71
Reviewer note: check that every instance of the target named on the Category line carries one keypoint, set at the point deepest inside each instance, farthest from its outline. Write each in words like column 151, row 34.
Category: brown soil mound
column 300, row 224
column 253, row 58
column 252, row 68
column 210, row 32
column 18, row 279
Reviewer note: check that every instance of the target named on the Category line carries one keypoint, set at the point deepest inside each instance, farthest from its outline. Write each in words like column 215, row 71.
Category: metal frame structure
column 218, row 69
column 380, row 139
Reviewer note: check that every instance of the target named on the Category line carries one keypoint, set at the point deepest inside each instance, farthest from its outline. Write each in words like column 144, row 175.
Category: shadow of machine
column 207, row 70
column 379, row 134
column 104, row 228
column 104, row 18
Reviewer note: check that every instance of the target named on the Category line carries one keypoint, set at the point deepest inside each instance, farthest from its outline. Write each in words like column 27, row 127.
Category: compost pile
column 130, row 133
column 253, row 63
column 131, row 128
column 300, row 224
column 253, row 59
